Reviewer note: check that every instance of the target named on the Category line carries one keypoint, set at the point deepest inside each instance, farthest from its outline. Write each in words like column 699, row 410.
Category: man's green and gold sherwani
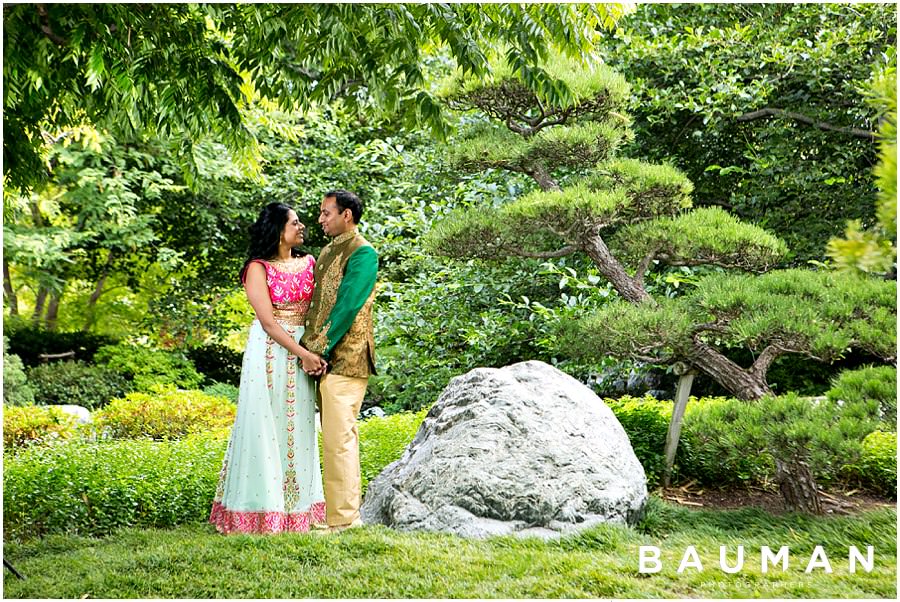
column 339, row 328
column 339, row 322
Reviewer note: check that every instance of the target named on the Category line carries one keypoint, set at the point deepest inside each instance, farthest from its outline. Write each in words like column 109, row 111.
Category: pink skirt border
column 241, row 521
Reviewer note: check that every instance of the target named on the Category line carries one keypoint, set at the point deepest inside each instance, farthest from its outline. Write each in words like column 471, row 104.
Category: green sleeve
column 356, row 286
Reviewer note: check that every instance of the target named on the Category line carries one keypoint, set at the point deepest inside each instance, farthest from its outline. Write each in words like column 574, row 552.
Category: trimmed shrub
column 646, row 420
column 229, row 392
column 715, row 444
column 28, row 425
column 75, row 382
column 164, row 413
column 218, row 363
column 149, row 367
column 16, row 390
column 877, row 468
column 732, row 441
column 29, row 342
column 870, row 391
column 383, row 440
column 92, row 488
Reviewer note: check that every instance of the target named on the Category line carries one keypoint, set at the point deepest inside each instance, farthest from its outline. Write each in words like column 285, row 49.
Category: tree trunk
column 744, row 384
column 39, row 305
column 95, row 296
column 797, row 485
column 538, row 171
column 630, row 289
column 52, row 311
column 11, row 299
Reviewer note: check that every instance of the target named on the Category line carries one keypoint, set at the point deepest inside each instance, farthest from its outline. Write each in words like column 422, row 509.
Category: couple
column 313, row 319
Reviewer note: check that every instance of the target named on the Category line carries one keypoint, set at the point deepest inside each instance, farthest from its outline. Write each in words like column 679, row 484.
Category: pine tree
column 629, row 216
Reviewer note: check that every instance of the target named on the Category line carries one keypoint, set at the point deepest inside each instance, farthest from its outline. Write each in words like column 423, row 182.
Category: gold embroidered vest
column 354, row 353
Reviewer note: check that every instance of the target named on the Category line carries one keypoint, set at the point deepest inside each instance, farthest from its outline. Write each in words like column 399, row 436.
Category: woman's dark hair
column 347, row 200
column 265, row 234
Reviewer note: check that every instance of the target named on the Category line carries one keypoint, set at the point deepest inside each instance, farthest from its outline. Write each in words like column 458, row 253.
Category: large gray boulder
column 525, row 450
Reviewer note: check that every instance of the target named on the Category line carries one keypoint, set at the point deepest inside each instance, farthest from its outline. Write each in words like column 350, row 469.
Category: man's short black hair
column 347, row 200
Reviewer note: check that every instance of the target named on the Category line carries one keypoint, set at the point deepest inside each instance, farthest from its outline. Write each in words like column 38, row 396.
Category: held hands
column 313, row 365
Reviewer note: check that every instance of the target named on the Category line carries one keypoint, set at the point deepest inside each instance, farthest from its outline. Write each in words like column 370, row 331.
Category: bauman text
column 649, row 559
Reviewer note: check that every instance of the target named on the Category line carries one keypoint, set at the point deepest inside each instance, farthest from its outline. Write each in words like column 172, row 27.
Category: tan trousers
column 341, row 398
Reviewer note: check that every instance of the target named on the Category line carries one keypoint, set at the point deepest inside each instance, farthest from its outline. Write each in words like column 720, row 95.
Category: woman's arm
column 258, row 294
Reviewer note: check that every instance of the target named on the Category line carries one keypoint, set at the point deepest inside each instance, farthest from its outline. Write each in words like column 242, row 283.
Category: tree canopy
column 189, row 70
column 763, row 106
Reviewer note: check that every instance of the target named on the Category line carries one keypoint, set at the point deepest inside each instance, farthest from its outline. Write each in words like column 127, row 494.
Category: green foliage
column 871, row 391
column 733, row 441
column 132, row 72
column 875, row 251
column 29, row 342
column 188, row 71
column 708, row 236
column 217, row 363
column 623, row 330
column 149, row 367
column 229, row 392
column 818, row 314
column 383, row 440
column 646, row 420
column 648, row 185
column 717, row 446
column 878, row 464
column 94, row 223
column 595, row 91
column 484, row 147
column 16, row 389
column 92, row 488
column 697, row 72
column 416, row 361
column 27, row 425
column 616, row 193
column 164, row 413
column 76, row 382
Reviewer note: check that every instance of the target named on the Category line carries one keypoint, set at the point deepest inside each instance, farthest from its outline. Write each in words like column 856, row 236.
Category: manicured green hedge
column 164, row 413
column 148, row 367
column 76, row 382
column 382, row 441
column 25, row 426
column 95, row 487
column 873, row 390
column 646, row 421
column 878, row 465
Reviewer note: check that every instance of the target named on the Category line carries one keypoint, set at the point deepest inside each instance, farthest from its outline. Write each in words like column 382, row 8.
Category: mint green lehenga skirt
column 270, row 480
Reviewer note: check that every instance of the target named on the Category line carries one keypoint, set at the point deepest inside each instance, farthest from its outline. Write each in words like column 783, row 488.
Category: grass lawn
column 193, row 561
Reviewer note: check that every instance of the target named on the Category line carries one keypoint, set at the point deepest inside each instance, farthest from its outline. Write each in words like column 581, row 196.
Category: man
column 339, row 329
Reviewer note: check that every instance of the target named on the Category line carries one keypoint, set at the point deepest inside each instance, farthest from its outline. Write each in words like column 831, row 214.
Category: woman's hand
column 313, row 365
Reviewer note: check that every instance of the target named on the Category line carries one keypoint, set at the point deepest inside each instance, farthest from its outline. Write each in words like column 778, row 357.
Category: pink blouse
column 291, row 285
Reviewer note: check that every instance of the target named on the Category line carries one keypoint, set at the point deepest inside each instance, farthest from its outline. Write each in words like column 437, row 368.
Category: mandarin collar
column 343, row 237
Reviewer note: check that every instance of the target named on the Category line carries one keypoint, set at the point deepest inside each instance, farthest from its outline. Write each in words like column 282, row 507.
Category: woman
column 270, row 480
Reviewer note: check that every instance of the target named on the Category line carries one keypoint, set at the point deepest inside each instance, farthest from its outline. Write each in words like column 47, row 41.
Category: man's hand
column 313, row 364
